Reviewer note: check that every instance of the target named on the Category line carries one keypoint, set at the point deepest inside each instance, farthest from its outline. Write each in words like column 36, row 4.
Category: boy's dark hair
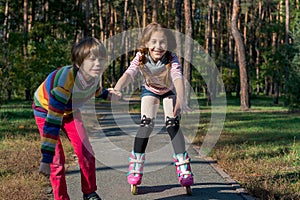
column 86, row 47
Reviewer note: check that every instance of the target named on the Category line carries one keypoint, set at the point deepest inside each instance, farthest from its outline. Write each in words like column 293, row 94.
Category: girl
column 56, row 103
column 161, row 72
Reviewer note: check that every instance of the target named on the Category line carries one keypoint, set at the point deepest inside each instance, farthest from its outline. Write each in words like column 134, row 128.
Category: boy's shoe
column 92, row 196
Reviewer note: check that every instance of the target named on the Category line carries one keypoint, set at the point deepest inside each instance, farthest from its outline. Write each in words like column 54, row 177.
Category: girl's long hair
column 146, row 35
column 153, row 27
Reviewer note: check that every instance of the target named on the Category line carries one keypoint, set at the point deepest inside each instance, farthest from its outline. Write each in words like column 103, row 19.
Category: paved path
column 112, row 142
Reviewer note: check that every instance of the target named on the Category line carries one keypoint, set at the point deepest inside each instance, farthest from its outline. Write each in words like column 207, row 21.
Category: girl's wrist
column 117, row 91
column 180, row 100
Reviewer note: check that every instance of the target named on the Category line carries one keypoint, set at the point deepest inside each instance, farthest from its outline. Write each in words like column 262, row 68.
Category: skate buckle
column 183, row 162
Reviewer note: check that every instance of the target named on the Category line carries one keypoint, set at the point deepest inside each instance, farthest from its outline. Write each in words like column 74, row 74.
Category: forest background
column 255, row 45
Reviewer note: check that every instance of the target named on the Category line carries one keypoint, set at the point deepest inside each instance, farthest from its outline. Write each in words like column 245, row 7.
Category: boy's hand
column 44, row 169
column 109, row 96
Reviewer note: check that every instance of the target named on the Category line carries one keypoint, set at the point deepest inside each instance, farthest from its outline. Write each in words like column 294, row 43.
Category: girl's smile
column 157, row 45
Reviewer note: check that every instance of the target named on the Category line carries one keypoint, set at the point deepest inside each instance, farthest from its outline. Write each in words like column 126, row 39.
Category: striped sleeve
column 62, row 83
column 134, row 66
column 175, row 71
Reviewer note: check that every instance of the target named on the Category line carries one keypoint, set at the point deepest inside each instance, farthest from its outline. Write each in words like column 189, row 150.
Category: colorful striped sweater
column 62, row 93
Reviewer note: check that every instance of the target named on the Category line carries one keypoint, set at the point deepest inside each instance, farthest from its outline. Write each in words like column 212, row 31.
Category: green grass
column 20, row 154
column 16, row 122
column 260, row 149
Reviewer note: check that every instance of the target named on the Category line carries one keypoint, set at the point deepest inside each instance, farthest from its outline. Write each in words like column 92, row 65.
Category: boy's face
column 92, row 67
column 157, row 45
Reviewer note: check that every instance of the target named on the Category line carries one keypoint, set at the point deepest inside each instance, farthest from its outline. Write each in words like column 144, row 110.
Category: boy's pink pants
column 75, row 131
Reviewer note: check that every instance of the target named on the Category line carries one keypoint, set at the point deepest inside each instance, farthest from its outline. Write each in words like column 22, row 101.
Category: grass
column 259, row 149
column 20, row 154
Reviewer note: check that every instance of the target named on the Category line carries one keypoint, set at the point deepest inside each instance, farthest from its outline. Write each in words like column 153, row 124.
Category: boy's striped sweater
column 62, row 92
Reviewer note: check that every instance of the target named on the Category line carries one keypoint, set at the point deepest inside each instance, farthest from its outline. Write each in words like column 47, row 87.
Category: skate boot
column 183, row 170
column 135, row 170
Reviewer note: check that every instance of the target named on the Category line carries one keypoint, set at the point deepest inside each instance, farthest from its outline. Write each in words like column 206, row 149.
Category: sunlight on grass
column 260, row 148
column 20, row 154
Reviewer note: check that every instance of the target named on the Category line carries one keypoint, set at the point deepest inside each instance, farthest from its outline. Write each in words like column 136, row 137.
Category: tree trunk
column 123, row 42
column 87, row 18
column 219, row 43
column 245, row 26
column 136, row 13
column 210, row 84
column 100, row 20
column 257, row 47
column 230, row 50
column 277, row 75
column 266, row 91
column 287, row 21
column 45, row 10
column 178, row 29
column 25, row 49
column 154, row 11
column 287, row 30
column 144, row 13
column 188, row 55
column 209, row 29
column 167, row 12
column 244, row 91
column 25, row 26
column 6, row 22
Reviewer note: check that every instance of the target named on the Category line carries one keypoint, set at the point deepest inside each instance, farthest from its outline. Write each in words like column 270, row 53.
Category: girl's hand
column 180, row 107
column 116, row 95
column 44, row 169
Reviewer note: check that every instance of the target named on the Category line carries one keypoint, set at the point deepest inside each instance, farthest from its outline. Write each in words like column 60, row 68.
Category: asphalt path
column 111, row 136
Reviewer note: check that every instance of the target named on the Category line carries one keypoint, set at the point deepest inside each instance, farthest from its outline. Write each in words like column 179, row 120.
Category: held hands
column 110, row 93
column 116, row 95
column 44, row 169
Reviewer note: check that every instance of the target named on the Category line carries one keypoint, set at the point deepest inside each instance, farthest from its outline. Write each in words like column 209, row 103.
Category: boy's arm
column 103, row 93
column 51, row 128
column 57, row 105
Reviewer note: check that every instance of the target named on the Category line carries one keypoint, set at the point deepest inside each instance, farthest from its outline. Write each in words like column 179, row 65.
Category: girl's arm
column 180, row 105
column 117, row 90
column 178, row 81
column 123, row 82
column 129, row 75
column 179, row 87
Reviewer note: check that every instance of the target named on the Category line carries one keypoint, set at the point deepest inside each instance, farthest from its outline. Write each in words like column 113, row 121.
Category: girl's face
column 92, row 67
column 157, row 45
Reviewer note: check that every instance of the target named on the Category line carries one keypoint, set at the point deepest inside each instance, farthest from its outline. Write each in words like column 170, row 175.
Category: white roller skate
column 135, row 170
column 184, row 172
